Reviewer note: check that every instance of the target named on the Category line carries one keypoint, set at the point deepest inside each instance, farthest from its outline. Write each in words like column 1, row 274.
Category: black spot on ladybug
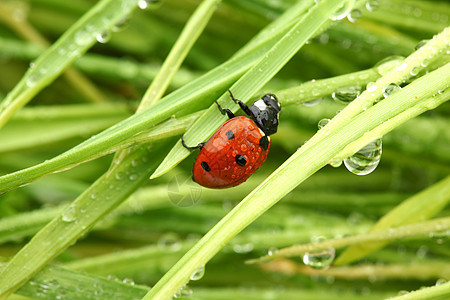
column 230, row 134
column 240, row 160
column 264, row 142
column 205, row 166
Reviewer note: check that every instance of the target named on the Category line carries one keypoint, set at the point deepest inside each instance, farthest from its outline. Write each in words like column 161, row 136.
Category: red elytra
column 231, row 155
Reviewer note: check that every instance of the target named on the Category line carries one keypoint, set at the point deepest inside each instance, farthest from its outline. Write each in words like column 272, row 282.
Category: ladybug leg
column 224, row 111
column 243, row 106
column 199, row 146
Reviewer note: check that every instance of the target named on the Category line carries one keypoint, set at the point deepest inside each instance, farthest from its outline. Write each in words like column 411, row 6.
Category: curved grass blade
column 75, row 41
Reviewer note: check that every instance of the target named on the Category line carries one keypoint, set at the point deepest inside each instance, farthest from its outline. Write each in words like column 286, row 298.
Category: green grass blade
column 419, row 207
column 103, row 196
column 300, row 166
column 250, row 83
column 77, row 40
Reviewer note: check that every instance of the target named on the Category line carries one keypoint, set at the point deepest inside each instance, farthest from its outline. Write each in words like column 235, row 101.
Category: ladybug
column 239, row 147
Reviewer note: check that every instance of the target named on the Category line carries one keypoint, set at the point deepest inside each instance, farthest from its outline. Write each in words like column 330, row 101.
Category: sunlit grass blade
column 419, row 207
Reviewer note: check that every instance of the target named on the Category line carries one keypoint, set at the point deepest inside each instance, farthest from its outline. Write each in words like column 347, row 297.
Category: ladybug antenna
column 199, row 146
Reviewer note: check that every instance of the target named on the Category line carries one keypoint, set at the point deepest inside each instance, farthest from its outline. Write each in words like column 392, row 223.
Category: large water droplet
column 390, row 89
column 198, row 274
column 346, row 95
column 366, row 159
column 319, row 259
column 343, row 11
column 70, row 214
column 372, row 5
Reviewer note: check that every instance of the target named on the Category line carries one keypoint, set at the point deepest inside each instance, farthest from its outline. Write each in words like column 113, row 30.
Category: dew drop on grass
column 335, row 162
column 343, row 11
column 198, row 274
column 144, row 4
column 322, row 123
column 319, row 259
column 387, row 64
column 390, row 89
column 312, row 102
column 372, row 5
column 272, row 251
column 185, row 291
column 121, row 25
column 346, row 95
column 354, row 15
column 420, row 44
column 243, row 248
column 170, row 241
column 70, row 214
column 366, row 159
column 104, row 37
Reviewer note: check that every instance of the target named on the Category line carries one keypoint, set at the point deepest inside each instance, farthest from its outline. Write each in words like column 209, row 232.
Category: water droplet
column 402, row 67
column 103, row 37
column 198, row 274
column 32, row 80
column 372, row 5
column 185, row 291
column 441, row 281
column 70, row 214
column 121, row 25
column 420, row 44
column 312, row 102
column 343, row 11
column 335, row 162
column 387, row 64
column 322, row 123
column 272, row 251
column 366, row 159
column 390, row 89
column 354, row 15
column 133, row 177
column 244, row 248
column 346, row 95
column 83, row 37
column 319, row 259
column 371, row 87
column 128, row 281
column 414, row 71
column 170, row 241
column 144, row 4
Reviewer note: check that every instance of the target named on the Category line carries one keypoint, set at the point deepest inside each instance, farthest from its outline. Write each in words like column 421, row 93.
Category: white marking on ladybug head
column 260, row 104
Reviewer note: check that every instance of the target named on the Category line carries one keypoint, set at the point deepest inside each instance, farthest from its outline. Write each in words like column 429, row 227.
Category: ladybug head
column 264, row 113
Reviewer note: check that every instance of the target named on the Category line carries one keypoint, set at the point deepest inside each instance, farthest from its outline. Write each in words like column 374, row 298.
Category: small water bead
column 32, row 80
column 335, row 162
column 354, row 15
column 390, row 89
column 272, row 251
column 83, row 37
column 441, row 281
column 372, row 5
column 402, row 67
column 104, row 37
column 198, row 274
column 343, row 11
column 387, row 64
column 366, row 159
column 185, row 291
column 121, row 25
column 322, row 123
column 319, row 259
column 414, row 71
column 346, row 95
column 371, row 87
column 144, row 4
column 70, row 214
column 420, row 44
column 312, row 102
column 244, row 248
column 170, row 241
